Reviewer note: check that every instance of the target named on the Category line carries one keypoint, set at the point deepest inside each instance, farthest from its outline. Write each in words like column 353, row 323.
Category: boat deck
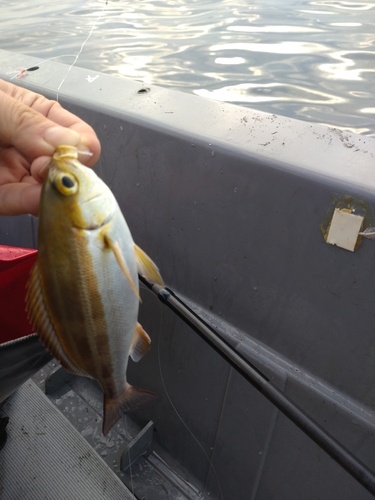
column 58, row 435
column 46, row 457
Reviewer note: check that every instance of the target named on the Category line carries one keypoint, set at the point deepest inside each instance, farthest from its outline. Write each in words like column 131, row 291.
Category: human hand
column 31, row 127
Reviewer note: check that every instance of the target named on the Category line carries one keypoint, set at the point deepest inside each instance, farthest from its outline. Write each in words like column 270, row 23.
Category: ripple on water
column 313, row 61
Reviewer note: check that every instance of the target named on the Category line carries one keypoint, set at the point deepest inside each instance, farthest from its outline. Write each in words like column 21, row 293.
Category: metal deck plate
column 46, row 457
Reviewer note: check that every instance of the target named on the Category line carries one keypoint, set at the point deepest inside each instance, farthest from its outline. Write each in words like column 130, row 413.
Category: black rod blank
column 320, row 436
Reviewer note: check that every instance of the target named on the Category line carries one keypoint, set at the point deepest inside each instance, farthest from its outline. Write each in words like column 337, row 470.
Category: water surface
column 311, row 60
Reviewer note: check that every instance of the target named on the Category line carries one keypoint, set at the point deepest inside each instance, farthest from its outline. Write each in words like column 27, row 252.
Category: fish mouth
column 98, row 226
column 103, row 221
column 99, row 195
column 94, row 227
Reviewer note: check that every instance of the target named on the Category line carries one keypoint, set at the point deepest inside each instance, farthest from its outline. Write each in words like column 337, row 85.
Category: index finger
column 55, row 114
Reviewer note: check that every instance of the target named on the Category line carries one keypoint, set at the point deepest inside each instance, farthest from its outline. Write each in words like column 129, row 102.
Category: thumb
column 29, row 131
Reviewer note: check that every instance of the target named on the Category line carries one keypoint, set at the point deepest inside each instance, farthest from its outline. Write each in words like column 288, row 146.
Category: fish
column 83, row 292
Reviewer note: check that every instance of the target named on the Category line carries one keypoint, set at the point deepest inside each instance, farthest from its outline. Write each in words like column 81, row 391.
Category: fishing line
column 80, row 50
column 337, row 451
column 180, row 417
column 24, row 71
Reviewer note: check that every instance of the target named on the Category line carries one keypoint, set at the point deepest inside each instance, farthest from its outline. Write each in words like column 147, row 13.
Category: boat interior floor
column 55, row 447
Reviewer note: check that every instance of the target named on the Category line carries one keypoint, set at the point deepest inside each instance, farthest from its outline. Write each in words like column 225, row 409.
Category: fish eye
column 67, row 181
column 66, row 184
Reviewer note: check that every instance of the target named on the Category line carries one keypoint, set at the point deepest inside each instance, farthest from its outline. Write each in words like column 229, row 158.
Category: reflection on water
column 272, row 48
column 252, row 92
column 312, row 60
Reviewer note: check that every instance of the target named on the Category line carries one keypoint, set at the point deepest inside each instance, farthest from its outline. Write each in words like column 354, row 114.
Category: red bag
column 15, row 266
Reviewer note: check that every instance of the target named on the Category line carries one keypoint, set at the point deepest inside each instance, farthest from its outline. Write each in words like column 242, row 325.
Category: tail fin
column 131, row 399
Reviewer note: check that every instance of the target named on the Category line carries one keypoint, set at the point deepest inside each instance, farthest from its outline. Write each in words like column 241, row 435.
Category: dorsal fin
column 41, row 321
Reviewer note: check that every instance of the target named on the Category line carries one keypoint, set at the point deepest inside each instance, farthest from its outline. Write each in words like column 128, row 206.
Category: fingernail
column 59, row 136
column 84, row 150
column 43, row 171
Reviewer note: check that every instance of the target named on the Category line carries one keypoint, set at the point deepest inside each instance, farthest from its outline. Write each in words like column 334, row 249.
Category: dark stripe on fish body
column 65, row 304
column 75, row 303
column 94, row 321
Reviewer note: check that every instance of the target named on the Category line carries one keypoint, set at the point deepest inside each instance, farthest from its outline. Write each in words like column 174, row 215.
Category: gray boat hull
column 233, row 206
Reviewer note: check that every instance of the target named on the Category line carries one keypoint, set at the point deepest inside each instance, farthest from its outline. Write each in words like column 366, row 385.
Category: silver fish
column 83, row 293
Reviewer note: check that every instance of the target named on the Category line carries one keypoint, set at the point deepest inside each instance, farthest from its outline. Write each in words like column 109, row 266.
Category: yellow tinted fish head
column 74, row 193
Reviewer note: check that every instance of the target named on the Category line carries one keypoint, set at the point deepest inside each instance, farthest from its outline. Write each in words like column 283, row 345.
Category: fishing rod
column 358, row 470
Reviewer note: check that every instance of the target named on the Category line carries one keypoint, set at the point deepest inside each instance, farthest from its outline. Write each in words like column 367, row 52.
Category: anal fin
column 131, row 399
column 141, row 343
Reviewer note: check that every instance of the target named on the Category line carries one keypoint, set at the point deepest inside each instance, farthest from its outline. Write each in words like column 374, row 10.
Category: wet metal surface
column 45, row 457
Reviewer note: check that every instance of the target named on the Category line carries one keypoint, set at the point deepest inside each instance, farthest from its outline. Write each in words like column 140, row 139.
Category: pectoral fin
column 131, row 399
column 146, row 267
column 41, row 321
column 116, row 249
column 141, row 344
